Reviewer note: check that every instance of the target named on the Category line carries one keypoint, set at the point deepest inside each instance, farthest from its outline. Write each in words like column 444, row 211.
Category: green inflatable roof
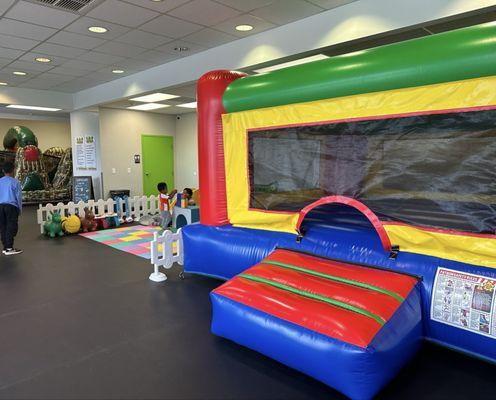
column 459, row 54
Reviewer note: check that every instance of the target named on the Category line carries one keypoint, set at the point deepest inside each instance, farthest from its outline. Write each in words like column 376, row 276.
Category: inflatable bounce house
column 44, row 176
column 350, row 205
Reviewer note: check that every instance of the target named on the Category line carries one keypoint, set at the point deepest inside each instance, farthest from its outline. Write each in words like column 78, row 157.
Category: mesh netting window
column 434, row 170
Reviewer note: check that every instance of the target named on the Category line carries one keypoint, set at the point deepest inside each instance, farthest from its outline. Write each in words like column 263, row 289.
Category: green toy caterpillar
column 53, row 226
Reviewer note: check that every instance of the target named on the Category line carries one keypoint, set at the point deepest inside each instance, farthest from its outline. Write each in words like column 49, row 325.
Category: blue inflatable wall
column 226, row 251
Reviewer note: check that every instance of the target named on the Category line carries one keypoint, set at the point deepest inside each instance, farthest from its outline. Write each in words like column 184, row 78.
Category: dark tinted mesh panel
column 432, row 170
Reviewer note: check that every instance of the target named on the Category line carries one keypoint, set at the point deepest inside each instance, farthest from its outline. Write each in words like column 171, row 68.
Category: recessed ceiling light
column 181, row 48
column 244, row 28
column 3, row 83
column 188, row 105
column 20, row 73
column 291, row 63
column 157, row 1
column 154, row 97
column 148, row 106
column 97, row 29
column 33, row 108
column 117, row 71
column 42, row 59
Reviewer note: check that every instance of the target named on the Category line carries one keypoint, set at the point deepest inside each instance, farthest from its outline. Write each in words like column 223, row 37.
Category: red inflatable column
column 211, row 87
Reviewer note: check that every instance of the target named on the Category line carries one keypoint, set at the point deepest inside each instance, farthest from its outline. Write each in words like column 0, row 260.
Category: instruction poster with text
column 464, row 300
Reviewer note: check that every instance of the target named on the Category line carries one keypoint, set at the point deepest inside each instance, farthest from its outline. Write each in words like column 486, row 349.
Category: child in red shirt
column 164, row 198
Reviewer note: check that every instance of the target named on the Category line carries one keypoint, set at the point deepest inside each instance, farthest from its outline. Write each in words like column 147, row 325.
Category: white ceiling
column 142, row 34
column 186, row 93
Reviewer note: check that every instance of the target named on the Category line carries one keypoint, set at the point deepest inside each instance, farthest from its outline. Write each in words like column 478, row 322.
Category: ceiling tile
column 45, row 81
column 13, row 42
column 10, row 53
column 169, row 48
column 328, row 4
column 54, row 77
column 74, row 85
column 82, row 25
column 30, row 66
column 4, row 62
column 68, row 71
column 245, row 5
column 158, row 57
column 56, row 60
column 210, row 38
column 6, row 75
column 39, row 84
column 40, row 15
column 143, row 39
column 259, row 25
column 81, row 65
column 185, row 91
column 93, row 56
column 204, row 12
column 58, row 50
column 76, row 40
column 160, row 6
column 5, row 4
column 170, row 26
column 138, row 65
column 107, row 74
column 284, row 11
column 25, row 30
column 122, row 13
column 120, row 49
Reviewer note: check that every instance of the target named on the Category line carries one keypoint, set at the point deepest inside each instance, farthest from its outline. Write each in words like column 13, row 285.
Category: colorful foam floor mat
column 131, row 239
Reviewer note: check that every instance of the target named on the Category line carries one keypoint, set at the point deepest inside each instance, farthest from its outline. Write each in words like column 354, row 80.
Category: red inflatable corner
column 211, row 87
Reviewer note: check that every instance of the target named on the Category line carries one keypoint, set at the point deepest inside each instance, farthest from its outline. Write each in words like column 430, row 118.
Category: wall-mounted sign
column 90, row 151
column 137, row 158
column 80, row 160
column 85, row 152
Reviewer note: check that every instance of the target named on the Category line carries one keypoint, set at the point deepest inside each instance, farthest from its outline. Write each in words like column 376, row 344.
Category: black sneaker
column 11, row 252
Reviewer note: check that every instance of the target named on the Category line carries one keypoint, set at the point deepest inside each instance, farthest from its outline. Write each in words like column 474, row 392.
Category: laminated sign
column 464, row 300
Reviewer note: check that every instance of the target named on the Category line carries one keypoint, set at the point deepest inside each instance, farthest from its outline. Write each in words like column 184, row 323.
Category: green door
column 157, row 154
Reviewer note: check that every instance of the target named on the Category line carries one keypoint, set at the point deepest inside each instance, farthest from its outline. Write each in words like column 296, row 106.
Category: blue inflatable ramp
column 349, row 326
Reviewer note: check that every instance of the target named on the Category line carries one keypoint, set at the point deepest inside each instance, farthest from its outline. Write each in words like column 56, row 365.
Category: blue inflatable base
column 357, row 372
column 226, row 251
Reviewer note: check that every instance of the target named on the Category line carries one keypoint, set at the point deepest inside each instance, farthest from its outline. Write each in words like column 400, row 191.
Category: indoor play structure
column 350, row 204
column 44, row 176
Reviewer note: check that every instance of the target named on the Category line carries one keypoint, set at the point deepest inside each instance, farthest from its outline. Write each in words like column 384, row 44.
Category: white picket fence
column 139, row 206
column 163, row 255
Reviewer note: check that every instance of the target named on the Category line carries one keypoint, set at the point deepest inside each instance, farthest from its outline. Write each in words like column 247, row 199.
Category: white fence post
column 166, row 257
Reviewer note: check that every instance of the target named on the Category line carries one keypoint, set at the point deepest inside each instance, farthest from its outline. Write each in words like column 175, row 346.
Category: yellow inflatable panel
column 460, row 95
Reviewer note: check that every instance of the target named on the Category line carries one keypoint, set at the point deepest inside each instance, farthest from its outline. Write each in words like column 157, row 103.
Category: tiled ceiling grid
column 141, row 34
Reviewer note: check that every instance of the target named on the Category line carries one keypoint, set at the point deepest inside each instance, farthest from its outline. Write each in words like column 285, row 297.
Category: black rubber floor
column 81, row 320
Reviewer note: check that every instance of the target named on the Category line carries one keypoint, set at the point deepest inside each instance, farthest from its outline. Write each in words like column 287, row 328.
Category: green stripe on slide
column 314, row 296
column 336, row 279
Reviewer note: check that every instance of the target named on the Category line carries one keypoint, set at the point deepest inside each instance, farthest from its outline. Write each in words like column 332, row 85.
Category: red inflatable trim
column 314, row 315
column 392, row 281
column 212, row 178
column 367, row 212
column 377, row 303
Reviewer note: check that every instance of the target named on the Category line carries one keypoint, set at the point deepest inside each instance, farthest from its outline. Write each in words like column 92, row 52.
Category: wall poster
column 80, row 156
column 90, row 151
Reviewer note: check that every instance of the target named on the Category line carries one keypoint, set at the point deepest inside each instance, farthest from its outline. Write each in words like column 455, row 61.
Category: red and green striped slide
column 292, row 304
